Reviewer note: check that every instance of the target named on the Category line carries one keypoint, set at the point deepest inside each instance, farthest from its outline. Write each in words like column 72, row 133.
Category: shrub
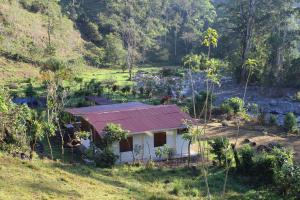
column 266, row 164
column 168, row 71
column 287, row 179
column 273, row 120
column 105, row 158
column 34, row 6
column 115, row 88
column 177, row 187
column 246, row 154
column 236, row 104
column 263, row 168
column 220, row 146
column 126, row 89
column 227, row 109
column 38, row 6
column 193, row 192
column 290, row 122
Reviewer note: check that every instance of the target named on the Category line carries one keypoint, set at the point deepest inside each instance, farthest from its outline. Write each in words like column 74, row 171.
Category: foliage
column 192, row 61
column 273, row 120
column 113, row 133
column 115, row 54
column 34, row 6
column 220, row 147
column 246, row 153
column 177, row 187
column 163, row 152
column 200, row 101
column 287, row 179
column 19, row 127
column 290, row 122
column 95, row 56
column 168, row 71
column 234, row 104
column 105, row 158
column 297, row 96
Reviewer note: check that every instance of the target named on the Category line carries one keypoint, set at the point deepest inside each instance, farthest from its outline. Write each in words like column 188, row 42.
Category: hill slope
column 45, row 179
column 24, row 38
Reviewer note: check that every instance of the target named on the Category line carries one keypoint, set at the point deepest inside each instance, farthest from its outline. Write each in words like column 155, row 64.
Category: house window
column 182, row 131
column 126, row 145
column 160, row 139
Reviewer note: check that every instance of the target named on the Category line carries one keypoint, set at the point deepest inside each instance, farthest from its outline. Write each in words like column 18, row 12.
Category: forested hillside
column 132, row 33
column 165, row 31
column 150, row 99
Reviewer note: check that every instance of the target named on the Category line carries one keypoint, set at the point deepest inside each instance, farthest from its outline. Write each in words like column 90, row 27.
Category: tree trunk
column 189, row 153
column 175, row 43
column 247, row 37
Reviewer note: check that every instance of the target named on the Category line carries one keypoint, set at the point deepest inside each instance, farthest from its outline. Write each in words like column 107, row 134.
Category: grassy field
column 44, row 179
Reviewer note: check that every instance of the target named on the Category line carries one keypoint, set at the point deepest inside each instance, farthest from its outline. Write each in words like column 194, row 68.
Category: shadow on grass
column 137, row 180
column 52, row 190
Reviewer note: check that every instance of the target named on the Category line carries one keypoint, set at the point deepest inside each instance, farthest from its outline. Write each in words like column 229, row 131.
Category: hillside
column 44, row 179
column 24, row 39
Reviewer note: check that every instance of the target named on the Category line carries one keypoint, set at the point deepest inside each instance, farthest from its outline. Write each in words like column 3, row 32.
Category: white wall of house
column 146, row 141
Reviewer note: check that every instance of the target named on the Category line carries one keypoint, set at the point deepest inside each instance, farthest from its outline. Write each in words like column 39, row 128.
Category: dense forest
column 134, row 32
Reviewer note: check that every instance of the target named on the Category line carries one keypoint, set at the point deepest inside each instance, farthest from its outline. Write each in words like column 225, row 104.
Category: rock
column 265, row 132
column 225, row 123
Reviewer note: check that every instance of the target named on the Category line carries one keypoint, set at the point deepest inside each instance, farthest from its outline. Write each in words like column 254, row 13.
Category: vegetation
column 290, row 122
column 63, row 53
column 57, row 180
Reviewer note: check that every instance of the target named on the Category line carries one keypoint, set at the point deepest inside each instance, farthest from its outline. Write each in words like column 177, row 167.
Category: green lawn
column 44, row 179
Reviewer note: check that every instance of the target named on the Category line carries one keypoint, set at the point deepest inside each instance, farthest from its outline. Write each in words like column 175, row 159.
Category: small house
column 150, row 127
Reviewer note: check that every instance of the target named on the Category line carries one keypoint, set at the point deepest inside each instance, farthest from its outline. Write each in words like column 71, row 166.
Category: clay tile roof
column 137, row 119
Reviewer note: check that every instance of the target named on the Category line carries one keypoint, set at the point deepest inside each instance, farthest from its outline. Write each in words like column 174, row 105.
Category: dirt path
column 258, row 134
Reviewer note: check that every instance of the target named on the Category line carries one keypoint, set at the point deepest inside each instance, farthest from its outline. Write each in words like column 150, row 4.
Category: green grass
column 88, row 73
column 45, row 179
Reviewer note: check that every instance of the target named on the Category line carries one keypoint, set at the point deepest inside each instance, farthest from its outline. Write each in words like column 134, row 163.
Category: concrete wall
column 146, row 142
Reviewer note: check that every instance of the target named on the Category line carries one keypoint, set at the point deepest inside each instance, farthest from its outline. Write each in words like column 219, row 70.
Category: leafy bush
column 235, row 103
column 105, row 158
column 263, row 168
column 126, row 89
column 220, row 148
column 273, row 120
column 113, row 133
column 34, row 6
column 225, row 108
column 177, row 187
column 290, row 122
column 168, row 71
column 287, row 179
column 164, row 151
column 246, row 153
column 266, row 164
column 38, row 6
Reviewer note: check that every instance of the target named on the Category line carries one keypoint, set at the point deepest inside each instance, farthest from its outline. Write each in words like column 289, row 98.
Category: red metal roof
column 139, row 119
column 106, row 108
